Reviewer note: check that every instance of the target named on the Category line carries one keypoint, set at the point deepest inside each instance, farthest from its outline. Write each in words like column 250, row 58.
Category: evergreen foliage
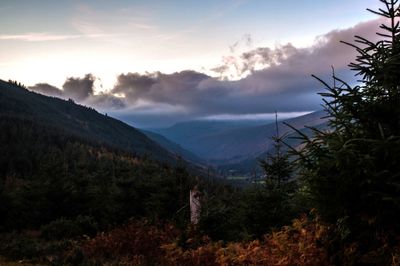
column 271, row 202
column 71, row 119
column 277, row 167
column 352, row 171
column 48, row 175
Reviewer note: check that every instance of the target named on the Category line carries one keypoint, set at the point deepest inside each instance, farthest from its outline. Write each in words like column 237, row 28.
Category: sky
column 154, row 63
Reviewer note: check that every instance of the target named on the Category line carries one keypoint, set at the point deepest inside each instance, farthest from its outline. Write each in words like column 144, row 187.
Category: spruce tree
column 352, row 171
column 277, row 168
column 272, row 201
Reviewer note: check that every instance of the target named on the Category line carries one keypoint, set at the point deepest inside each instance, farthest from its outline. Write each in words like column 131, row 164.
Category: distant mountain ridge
column 19, row 103
column 174, row 148
column 190, row 134
column 221, row 143
column 187, row 132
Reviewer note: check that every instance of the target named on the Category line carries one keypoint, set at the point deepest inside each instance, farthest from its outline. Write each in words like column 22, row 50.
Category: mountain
column 242, row 143
column 249, row 165
column 63, row 164
column 189, row 134
column 173, row 147
column 53, row 114
column 222, row 143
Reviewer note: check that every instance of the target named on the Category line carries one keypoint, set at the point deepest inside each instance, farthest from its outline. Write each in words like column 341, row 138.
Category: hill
column 189, row 133
column 62, row 161
column 242, row 143
column 76, row 120
column 222, row 143
column 174, row 148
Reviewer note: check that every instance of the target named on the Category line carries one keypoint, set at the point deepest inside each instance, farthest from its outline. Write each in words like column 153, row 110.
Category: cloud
column 246, row 39
column 277, row 78
column 181, row 88
column 89, row 20
column 79, row 88
column 326, row 50
column 105, row 102
column 162, row 99
column 267, row 116
column 44, row 37
column 38, row 37
column 47, row 89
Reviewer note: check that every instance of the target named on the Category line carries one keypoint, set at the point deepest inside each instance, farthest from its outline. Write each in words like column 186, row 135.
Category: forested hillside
column 48, row 172
column 67, row 170
column 19, row 104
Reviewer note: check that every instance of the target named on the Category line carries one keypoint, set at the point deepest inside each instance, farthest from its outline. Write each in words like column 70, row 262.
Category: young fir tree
column 353, row 170
column 271, row 203
column 277, row 168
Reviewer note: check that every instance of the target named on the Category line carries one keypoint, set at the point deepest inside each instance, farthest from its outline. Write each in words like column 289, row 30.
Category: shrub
column 302, row 243
column 64, row 228
column 136, row 241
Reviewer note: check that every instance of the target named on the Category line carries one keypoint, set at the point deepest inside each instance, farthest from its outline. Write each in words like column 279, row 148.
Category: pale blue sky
column 47, row 40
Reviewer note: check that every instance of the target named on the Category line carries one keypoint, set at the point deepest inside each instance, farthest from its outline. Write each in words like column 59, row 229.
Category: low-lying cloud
column 271, row 79
column 47, row 89
column 81, row 90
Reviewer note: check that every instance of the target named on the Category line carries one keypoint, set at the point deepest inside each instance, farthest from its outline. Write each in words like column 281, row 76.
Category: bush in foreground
column 139, row 243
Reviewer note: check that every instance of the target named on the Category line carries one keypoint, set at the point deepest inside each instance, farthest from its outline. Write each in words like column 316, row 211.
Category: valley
column 233, row 148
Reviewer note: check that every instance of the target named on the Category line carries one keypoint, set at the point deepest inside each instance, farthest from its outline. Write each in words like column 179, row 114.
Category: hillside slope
column 222, row 143
column 76, row 120
column 243, row 143
column 174, row 148
column 189, row 133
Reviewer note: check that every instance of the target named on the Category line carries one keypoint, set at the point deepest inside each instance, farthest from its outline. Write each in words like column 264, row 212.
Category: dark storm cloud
column 79, row 89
